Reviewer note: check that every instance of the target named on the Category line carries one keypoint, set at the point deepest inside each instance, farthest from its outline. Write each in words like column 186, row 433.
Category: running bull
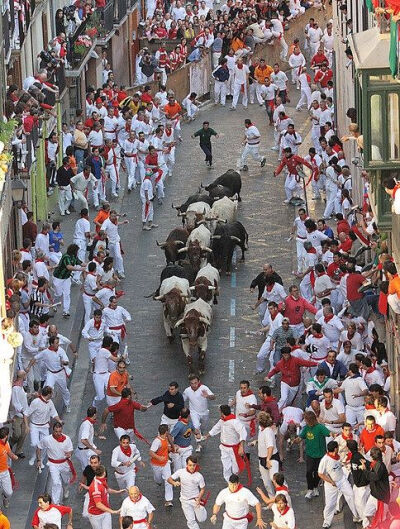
column 194, row 327
column 198, row 247
column 206, row 285
column 175, row 240
column 224, row 240
column 229, row 184
column 174, row 295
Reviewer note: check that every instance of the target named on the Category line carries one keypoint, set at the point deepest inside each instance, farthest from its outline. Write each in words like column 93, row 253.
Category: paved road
column 232, row 344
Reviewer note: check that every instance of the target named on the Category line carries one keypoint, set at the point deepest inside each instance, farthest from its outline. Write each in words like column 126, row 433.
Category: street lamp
column 18, row 189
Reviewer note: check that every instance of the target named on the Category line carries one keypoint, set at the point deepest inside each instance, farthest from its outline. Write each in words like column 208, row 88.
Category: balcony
column 8, row 29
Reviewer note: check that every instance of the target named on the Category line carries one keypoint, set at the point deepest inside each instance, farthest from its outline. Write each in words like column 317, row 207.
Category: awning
column 370, row 49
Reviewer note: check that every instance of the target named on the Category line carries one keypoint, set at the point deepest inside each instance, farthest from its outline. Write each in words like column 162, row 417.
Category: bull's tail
column 246, row 240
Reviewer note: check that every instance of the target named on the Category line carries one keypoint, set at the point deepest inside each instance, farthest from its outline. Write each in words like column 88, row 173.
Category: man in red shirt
column 124, row 415
column 323, row 75
column 294, row 308
column 99, row 509
column 341, row 224
column 292, row 182
column 345, row 243
column 357, row 300
column 289, row 367
column 367, row 436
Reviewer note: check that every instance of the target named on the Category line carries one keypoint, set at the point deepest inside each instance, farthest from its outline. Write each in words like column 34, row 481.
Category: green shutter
column 394, row 45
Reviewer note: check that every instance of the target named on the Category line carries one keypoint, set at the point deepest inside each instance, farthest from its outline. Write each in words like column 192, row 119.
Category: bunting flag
column 394, row 47
column 370, row 6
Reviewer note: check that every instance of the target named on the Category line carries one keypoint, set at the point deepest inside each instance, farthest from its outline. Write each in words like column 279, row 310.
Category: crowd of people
column 322, row 368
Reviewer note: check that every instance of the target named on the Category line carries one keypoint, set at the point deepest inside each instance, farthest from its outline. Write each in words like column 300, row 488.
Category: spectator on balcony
column 178, row 12
column 59, row 21
column 106, row 72
column 30, row 229
column 67, row 137
column 148, row 68
column 80, row 144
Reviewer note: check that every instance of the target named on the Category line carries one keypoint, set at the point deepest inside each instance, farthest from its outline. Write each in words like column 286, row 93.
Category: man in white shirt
column 86, row 447
column 17, row 413
column 233, row 436
column 314, row 36
column 94, row 331
column 244, row 401
column 130, row 147
column 192, row 486
column 237, row 500
column 240, row 76
column 355, row 389
column 331, row 326
column 110, row 227
column 115, row 317
column 80, row 184
column 123, row 460
column 385, row 417
column 279, row 79
column 178, row 12
column 101, row 373
column 147, row 197
column 82, row 237
column 138, row 508
column 251, row 142
column 198, row 395
column 332, row 413
column 268, row 456
column 330, row 470
column 271, row 322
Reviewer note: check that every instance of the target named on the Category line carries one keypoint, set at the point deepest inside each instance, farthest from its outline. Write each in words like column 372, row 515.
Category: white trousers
column 100, row 521
column 215, row 58
column 80, row 200
column 263, row 354
column 115, row 252
column 355, row 414
column 193, row 513
column 199, row 420
column 301, row 253
column 112, row 174
column 93, row 347
column 306, row 288
column 331, row 494
column 59, row 380
column 126, row 480
column 100, row 381
column 267, row 475
column 147, row 212
column 60, row 475
column 88, row 304
column 64, row 198
column 37, row 433
column 250, row 150
column 161, row 474
column 237, row 90
column 169, row 422
column 170, row 160
column 228, row 523
column 292, row 187
column 220, row 89
column 62, row 288
column 229, row 465
column 305, row 98
column 5, row 484
column 97, row 193
column 259, row 97
column 361, row 495
column 131, row 164
column 179, row 457
column 122, row 431
column 83, row 456
column 288, row 394
column 331, row 192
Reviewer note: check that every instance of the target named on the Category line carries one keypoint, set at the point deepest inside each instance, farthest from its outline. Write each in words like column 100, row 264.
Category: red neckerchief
column 228, row 417
column 39, row 260
column 135, row 501
column 282, row 488
column 334, row 456
column 92, row 273
column 369, row 407
column 270, row 287
column 318, row 335
column 51, row 348
column 34, row 333
column 328, row 318
column 328, row 408
column 126, row 451
column 249, row 392
column 240, row 486
column 61, row 438
column 269, row 399
column 43, row 399
column 369, row 370
column 183, row 420
column 97, row 324
column 346, row 438
column 285, row 510
column 239, row 66
column 90, row 419
column 372, row 464
column 196, row 469
column 3, row 442
column 312, row 250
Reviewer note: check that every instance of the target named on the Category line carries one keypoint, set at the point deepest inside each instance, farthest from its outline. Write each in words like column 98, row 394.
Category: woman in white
column 283, row 514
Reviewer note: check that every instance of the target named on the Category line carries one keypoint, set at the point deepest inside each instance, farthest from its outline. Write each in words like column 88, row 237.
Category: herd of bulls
column 195, row 255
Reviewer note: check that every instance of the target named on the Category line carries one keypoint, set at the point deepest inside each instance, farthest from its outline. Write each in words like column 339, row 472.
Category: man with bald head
column 138, row 508
column 18, row 409
column 65, row 342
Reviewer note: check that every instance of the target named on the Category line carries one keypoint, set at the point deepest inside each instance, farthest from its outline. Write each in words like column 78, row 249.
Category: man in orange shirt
column 102, row 215
column 159, row 460
column 4, row 522
column 6, row 474
column 261, row 72
column 172, row 112
column 394, row 286
column 118, row 380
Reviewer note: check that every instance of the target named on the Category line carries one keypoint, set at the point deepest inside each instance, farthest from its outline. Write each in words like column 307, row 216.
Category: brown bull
column 205, row 290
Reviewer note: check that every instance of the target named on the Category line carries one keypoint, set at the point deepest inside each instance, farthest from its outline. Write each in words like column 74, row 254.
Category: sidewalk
column 31, row 483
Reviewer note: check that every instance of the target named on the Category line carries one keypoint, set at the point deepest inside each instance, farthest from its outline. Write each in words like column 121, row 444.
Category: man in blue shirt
column 56, row 239
column 322, row 226
column 181, row 434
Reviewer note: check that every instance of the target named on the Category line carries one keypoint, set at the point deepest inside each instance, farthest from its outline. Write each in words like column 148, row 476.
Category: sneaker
column 66, row 494
column 121, row 275
column 62, row 213
column 153, row 226
column 309, row 495
column 286, row 202
column 146, row 228
column 315, row 492
column 32, row 460
column 168, row 504
column 274, row 148
column 198, row 448
column 68, row 212
column 115, row 195
column 263, row 162
column 66, row 314
column 67, row 410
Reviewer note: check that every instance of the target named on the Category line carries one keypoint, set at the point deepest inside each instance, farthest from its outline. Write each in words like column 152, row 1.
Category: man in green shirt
column 205, row 134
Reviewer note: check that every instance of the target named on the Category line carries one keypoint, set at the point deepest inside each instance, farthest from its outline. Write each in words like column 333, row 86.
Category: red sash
column 70, row 464
column 121, row 328
column 241, row 461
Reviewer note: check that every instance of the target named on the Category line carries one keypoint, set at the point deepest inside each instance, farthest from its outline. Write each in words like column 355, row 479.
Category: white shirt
column 252, row 135
column 332, row 329
column 101, row 360
column 104, row 295
column 273, row 323
column 81, row 183
column 190, row 483
column 138, row 510
column 331, row 467
column 86, row 431
column 95, row 138
column 268, row 92
column 292, row 413
column 314, row 35
column 241, row 406
column 319, row 347
column 53, row 360
column 356, row 341
column 240, row 75
column 277, row 294
column 284, row 520
column 41, row 412
column 90, row 285
column 322, row 283
column 354, row 386
column 111, row 231
column 146, row 186
column 232, row 431
column 316, row 237
column 300, row 228
column 236, row 503
column 56, row 449
column 332, row 414
column 19, row 402
column 266, row 439
column 387, row 420
column 197, row 402
column 116, row 317
column 90, row 332
column 279, row 79
column 82, row 226
column 118, row 458
column 345, row 358
column 42, row 243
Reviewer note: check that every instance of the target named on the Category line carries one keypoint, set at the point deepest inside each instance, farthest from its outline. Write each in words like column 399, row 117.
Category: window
column 376, row 127
column 393, row 126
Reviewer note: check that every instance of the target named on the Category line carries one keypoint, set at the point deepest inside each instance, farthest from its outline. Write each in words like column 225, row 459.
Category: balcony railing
column 108, row 17
column 122, row 6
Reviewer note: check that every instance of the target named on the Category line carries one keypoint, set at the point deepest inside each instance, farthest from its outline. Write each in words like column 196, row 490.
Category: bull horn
column 159, row 298
column 223, row 221
column 207, row 250
column 209, row 218
column 181, row 250
column 235, row 238
column 212, row 288
column 182, row 214
column 201, row 185
column 215, row 236
column 179, row 322
column 179, row 242
column 191, row 288
column 162, row 245
column 175, row 207
column 204, row 320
